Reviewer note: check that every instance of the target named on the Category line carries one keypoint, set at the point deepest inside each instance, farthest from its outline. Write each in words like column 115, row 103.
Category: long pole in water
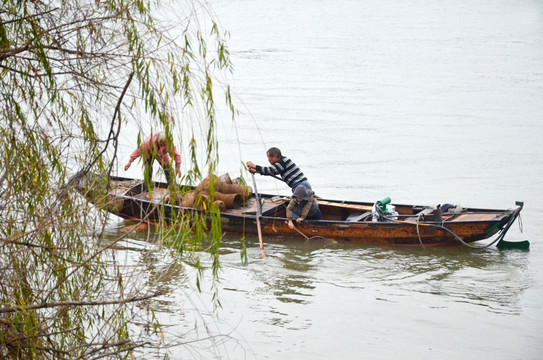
column 258, row 214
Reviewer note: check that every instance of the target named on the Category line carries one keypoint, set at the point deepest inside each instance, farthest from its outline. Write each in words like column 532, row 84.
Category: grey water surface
column 427, row 102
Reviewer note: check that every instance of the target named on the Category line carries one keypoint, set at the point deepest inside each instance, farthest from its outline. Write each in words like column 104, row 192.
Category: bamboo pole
column 258, row 214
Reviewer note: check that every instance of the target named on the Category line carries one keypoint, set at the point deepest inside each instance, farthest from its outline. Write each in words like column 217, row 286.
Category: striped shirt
column 290, row 173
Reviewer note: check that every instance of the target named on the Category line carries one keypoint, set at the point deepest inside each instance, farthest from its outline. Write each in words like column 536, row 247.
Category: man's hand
column 251, row 167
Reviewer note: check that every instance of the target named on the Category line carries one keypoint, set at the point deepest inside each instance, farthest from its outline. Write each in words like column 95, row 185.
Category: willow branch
column 76, row 303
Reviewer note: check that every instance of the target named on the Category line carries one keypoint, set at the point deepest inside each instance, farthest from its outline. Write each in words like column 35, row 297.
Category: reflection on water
column 290, row 276
column 488, row 278
column 300, row 285
column 152, row 269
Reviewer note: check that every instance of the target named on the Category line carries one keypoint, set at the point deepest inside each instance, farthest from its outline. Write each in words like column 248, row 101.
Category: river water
column 427, row 102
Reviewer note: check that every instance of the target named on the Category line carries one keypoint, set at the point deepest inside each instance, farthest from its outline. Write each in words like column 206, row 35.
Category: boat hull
column 409, row 229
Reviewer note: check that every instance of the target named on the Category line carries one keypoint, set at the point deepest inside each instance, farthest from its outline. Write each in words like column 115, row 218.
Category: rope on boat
column 307, row 237
column 503, row 231
column 301, row 233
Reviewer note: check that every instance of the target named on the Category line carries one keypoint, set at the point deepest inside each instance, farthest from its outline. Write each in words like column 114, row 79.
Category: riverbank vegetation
column 73, row 75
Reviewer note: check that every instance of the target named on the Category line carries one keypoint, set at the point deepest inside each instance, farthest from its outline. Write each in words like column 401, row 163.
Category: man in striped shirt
column 283, row 166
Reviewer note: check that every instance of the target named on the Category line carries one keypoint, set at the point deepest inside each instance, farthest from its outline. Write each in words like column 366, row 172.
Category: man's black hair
column 273, row 151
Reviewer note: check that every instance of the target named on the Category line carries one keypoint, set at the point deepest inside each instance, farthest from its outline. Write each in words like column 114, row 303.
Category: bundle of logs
column 214, row 191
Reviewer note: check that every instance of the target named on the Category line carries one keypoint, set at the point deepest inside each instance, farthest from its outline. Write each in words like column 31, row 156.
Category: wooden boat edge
column 310, row 226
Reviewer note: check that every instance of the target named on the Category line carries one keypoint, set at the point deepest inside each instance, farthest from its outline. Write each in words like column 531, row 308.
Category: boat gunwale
column 501, row 215
column 136, row 205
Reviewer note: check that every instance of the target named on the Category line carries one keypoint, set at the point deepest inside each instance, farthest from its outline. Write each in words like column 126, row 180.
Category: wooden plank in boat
column 250, row 207
column 346, row 206
column 474, row 217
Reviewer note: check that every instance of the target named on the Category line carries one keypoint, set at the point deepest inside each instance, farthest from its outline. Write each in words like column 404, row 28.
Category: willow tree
column 72, row 75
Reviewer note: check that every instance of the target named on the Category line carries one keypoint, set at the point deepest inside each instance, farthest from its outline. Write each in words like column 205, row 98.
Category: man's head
column 161, row 139
column 302, row 193
column 274, row 155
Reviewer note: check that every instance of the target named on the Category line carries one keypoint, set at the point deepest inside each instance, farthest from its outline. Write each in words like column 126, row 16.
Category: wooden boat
column 362, row 222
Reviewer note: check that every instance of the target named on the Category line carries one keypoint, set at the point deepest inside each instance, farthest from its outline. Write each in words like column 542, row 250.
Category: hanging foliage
column 72, row 75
